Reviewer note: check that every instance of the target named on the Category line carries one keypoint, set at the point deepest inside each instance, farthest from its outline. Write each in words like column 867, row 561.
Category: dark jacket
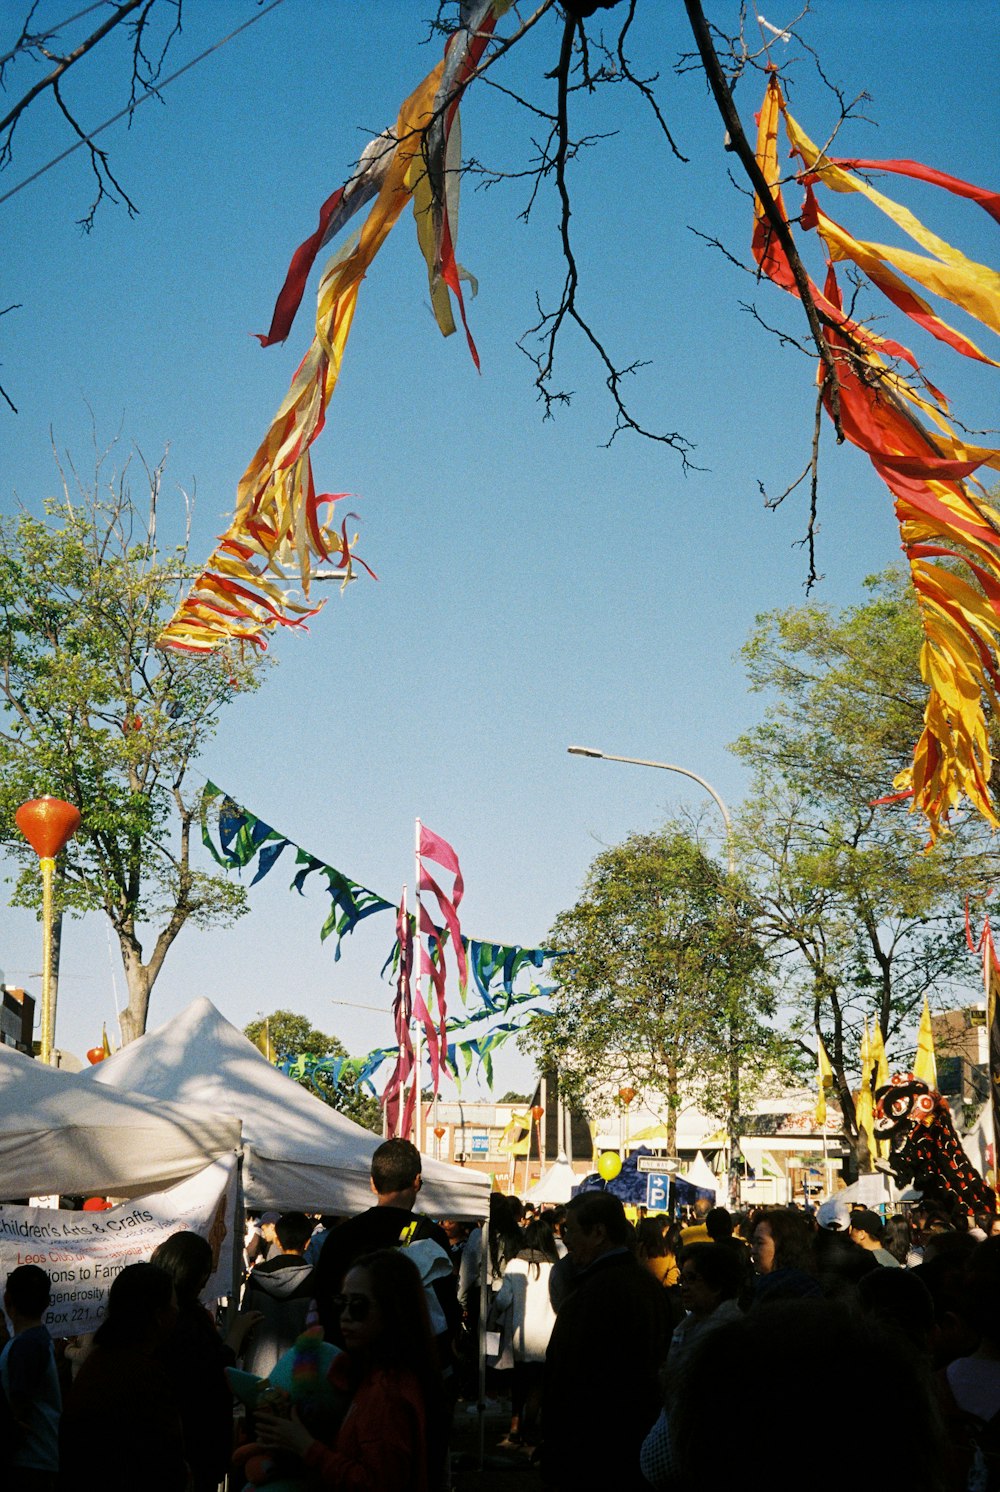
column 281, row 1289
column 195, row 1358
column 601, row 1391
column 129, row 1389
column 378, row 1228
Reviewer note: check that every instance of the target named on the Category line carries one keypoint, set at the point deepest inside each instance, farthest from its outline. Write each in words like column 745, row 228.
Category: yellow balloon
column 609, row 1165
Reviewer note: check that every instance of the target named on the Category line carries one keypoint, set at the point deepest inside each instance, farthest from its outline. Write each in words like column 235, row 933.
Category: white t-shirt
column 524, row 1293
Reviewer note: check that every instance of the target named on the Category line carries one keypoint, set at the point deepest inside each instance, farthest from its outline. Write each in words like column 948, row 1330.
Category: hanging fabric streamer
column 242, row 839
column 259, row 577
column 943, row 513
column 432, row 953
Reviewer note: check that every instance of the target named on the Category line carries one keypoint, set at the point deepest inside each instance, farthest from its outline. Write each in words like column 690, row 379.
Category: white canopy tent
column 555, row 1186
column 298, row 1152
column 701, row 1175
column 60, row 1133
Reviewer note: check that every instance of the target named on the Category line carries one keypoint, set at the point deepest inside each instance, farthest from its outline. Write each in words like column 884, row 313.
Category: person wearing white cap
column 834, row 1213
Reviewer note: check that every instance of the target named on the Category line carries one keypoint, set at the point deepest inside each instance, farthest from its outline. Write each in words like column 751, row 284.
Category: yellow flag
column 510, row 1141
column 881, row 1064
column 863, row 1107
column 878, row 1058
column 824, row 1080
column 262, row 1041
column 925, row 1063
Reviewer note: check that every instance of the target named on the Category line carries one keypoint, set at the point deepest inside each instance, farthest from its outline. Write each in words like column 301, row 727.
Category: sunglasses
column 354, row 1307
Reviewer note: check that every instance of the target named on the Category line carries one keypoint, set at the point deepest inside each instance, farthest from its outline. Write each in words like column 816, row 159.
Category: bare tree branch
column 123, row 9
column 643, row 84
column 550, row 323
column 3, row 392
column 741, row 146
column 100, row 167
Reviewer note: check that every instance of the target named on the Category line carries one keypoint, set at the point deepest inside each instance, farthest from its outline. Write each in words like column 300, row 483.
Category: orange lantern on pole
column 48, row 824
column 439, row 1131
column 625, row 1097
column 536, row 1113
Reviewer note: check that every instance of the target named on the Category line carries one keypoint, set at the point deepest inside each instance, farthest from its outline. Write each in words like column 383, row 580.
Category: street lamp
column 48, row 824
column 637, row 761
column 734, row 1068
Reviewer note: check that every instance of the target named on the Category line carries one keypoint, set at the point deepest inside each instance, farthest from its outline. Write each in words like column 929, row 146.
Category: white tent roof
column 700, row 1174
column 298, row 1152
column 556, row 1185
column 61, row 1133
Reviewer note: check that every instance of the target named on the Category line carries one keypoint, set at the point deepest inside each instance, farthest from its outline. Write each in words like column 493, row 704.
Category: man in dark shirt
column 396, row 1181
column 601, row 1393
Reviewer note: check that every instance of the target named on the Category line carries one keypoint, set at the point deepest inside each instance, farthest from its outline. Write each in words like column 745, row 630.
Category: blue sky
column 536, row 588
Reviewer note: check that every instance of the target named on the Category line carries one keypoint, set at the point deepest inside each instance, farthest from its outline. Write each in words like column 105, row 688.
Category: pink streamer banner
column 433, row 847
column 440, row 852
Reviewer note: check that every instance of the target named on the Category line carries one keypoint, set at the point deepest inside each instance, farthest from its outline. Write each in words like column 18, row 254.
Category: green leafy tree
column 864, row 918
column 91, row 712
column 665, row 987
column 284, row 1034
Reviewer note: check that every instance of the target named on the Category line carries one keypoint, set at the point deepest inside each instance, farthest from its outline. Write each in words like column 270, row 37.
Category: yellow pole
column 48, row 866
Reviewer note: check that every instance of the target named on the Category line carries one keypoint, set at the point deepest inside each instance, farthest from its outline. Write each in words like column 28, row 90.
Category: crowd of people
column 640, row 1353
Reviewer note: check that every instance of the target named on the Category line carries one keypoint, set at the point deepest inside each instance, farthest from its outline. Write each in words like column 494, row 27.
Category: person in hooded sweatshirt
column 281, row 1289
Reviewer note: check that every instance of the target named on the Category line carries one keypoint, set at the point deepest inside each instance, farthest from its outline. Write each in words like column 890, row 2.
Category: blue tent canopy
column 630, row 1184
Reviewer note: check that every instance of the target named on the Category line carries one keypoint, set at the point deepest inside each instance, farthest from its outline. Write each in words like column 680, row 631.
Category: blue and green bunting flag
column 343, row 1072
column 243, row 838
column 490, row 963
column 490, row 960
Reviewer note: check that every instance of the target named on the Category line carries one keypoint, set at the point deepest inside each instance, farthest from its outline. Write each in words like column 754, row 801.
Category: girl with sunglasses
column 391, row 1437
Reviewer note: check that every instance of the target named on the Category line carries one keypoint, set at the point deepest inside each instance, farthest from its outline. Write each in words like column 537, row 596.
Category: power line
column 131, row 108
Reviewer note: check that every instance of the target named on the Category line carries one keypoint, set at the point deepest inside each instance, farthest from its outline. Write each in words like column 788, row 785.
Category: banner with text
column 82, row 1252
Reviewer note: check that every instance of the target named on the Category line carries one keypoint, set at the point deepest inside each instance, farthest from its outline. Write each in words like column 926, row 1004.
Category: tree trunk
column 733, row 1117
column 862, row 1155
column 141, row 977
column 140, row 982
column 671, row 1108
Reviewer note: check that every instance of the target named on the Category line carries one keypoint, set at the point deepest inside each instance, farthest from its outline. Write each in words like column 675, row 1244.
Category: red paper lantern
column 626, row 1095
column 48, row 824
column 96, row 1054
column 439, row 1131
column 536, row 1112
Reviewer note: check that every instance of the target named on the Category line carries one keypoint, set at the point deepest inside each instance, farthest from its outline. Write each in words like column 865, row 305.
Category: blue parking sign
column 657, row 1191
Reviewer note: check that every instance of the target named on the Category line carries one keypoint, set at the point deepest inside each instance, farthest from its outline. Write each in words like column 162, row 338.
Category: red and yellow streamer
column 259, row 576
column 950, row 530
